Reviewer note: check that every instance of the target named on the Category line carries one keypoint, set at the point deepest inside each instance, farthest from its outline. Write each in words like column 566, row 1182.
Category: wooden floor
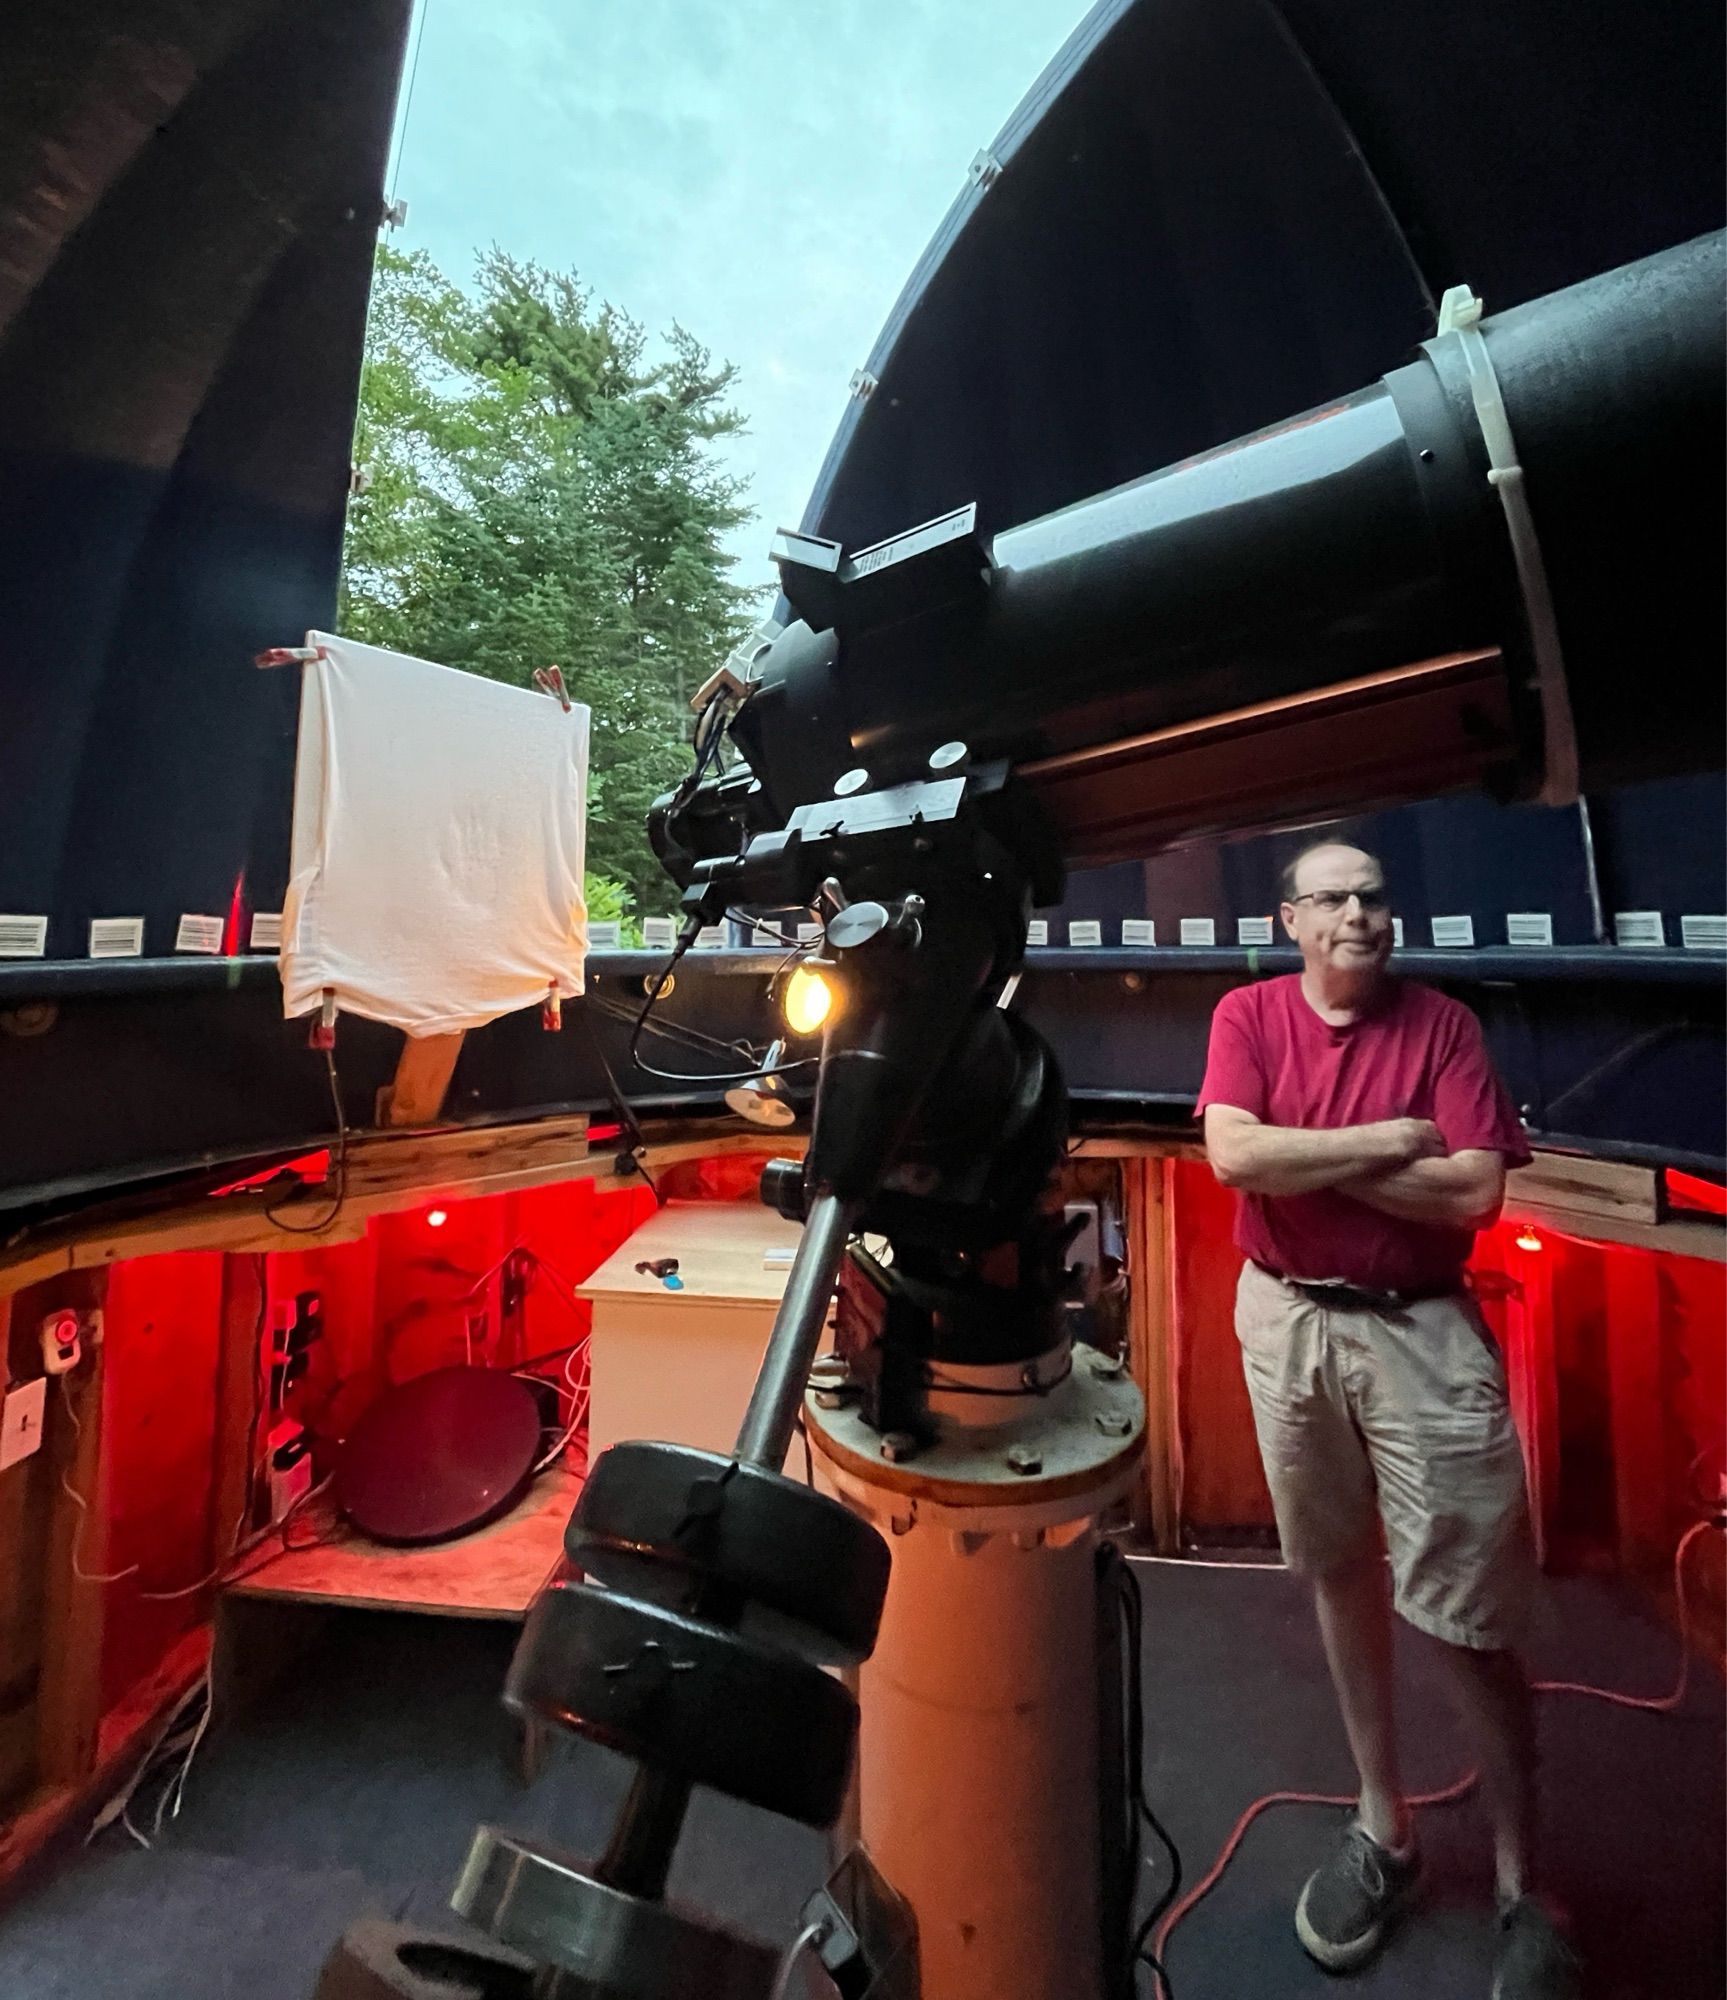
column 494, row 1573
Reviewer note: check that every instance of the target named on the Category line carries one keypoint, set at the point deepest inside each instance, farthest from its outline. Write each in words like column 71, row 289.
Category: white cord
column 78, row 1570
column 810, row 1938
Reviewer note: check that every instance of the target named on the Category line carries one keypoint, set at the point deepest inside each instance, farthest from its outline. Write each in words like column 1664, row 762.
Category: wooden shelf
column 495, row 1573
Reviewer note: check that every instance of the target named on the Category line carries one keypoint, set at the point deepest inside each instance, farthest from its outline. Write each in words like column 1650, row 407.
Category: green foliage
column 610, row 901
column 541, row 491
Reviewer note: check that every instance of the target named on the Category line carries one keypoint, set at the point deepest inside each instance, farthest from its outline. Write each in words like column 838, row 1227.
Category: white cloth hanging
column 440, row 824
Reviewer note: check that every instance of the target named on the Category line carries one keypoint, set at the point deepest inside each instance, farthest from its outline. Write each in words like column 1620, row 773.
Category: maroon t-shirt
column 1417, row 1054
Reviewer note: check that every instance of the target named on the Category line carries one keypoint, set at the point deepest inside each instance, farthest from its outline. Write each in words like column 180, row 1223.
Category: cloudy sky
column 765, row 171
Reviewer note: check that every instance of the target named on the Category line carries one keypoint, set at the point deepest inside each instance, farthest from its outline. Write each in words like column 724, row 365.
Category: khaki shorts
column 1394, row 1421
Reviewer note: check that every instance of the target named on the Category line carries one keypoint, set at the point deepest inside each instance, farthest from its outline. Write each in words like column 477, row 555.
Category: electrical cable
column 621, row 1105
column 811, row 1938
column 1650, row 1704
column 338, row 1169
column 579, row 1400
column 78, row 1570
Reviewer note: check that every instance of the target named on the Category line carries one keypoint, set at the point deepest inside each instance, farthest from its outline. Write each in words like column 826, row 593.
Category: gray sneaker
column 1536, row 1960
column 1348, row 1903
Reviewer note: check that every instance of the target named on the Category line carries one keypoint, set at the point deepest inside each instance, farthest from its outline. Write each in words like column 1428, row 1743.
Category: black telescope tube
column 1351, row 539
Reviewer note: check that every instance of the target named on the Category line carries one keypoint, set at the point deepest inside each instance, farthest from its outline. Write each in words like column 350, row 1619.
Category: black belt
column 1358, row 1298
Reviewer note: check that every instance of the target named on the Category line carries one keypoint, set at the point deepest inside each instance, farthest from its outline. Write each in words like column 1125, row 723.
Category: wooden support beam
column 239, row 1397
column 69, row 1692
column 1532, row 1371
column 386, row 1172
column 423, row 1072
column 1152, row 1346
column 1637, row 1408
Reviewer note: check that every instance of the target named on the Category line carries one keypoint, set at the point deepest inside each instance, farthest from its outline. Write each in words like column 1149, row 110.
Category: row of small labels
column 1523, row 928
column 123, row 937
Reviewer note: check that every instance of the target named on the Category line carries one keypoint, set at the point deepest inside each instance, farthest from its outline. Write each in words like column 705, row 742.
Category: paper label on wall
column 1528, row 927
column 811, row 933
column 711, row 937
column 1451, row 933
column 1253, row 930
column 1085, row 931
column 116, row 937
column 23, row 937
column 767, row 937
column 1641, row 929
column 266, row 930
column 604, row 936
column 1396, row 931
column 1703, row 933
column 1037, row 931
column 658, row 933
column 200, row 934
column 1199, row 930
column 1138, row 930
column 21, row 1419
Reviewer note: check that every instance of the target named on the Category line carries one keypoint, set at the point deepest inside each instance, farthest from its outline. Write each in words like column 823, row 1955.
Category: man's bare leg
column 1491, row 1694
column 1354, row 1606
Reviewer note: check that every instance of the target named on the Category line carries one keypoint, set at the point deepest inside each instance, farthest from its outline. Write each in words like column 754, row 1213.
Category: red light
column 437, row 1217
column 1526, row 1239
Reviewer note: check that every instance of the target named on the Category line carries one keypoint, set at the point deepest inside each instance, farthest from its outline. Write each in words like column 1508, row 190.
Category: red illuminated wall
column 394, row 1304
column 1618, row 1361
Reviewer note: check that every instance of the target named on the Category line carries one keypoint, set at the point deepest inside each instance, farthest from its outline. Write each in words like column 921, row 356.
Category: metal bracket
column 984, row 171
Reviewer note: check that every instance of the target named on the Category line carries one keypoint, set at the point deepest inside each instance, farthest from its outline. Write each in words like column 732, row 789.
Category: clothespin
column 289, row 656
column 323, row 1035
column 552, row 1010
column 550, row 680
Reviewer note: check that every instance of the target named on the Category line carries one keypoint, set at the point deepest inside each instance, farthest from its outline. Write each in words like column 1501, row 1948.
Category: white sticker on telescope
column 116, row 937
column 1199, row 930
column 1138, row 930
column 1086, row 931
column 267, row 930
column 200, row 934
column 1037, row 931
column 604, row 936
column 1452, row 933
column 1528, row 927
column 1641, row 929
column 1396, row 931
column 1704, row 933
column 658, row 933
column 1253, row 930
column 711, row 937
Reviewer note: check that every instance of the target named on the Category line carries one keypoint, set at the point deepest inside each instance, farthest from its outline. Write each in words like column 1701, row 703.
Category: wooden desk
column 679, row 1365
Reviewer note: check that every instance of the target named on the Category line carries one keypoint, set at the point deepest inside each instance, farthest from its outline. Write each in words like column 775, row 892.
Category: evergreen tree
column 538, row 490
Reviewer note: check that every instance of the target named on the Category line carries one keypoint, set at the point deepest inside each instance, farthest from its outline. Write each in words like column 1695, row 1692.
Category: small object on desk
column 665, row 1269
column 778, row 1260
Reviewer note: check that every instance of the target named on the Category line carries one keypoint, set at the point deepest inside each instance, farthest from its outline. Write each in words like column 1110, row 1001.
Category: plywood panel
column 164, row 1330
column 495, row 1573
column 1223, row 1484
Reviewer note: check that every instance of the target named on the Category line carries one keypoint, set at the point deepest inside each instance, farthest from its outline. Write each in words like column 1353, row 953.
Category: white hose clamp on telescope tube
column 1460, row 319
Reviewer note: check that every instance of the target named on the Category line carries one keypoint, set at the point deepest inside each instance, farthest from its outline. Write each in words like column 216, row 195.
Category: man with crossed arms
column 1359, row 1119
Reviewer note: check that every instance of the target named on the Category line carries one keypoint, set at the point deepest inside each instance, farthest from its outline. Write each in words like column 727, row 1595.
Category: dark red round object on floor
column 440, row 1456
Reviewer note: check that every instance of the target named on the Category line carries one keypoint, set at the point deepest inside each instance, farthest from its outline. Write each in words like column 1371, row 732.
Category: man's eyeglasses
column 1333, row 900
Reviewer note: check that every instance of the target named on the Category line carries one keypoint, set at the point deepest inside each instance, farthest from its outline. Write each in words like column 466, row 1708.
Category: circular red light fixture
column 1527, row 1239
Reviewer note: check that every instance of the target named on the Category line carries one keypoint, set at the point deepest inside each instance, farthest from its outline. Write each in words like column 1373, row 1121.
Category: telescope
column 1439, row 583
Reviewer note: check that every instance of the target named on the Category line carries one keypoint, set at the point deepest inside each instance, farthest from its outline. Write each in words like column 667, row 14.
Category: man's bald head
column 1311, row 856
